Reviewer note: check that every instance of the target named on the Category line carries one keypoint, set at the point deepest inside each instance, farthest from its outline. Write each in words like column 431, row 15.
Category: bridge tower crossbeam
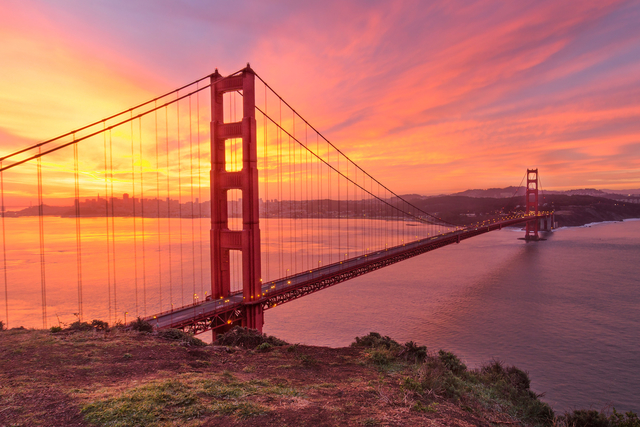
column 223, row 239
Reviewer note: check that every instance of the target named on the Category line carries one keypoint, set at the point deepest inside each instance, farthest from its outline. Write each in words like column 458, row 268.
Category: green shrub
column 629, row 419
column 247, row 338
column 380, row 357
column 141, row 325
column 451, row 362
column 55, row 329
column 308, row 360
column 264, row 347
column 411, row 351
column 183, row 337
column 584, row 418
column 519, row 378
column 512, row 384
column 496, row 371
column 173, row 334
column 534, row 409
column 421, row 407
column 79, row 326
column 375, row 340
column 436, row 377
column 411, row 384
column 99, row 325
column 1, row 325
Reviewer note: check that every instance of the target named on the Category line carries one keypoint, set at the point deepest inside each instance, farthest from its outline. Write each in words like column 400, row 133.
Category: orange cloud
column 454, row 95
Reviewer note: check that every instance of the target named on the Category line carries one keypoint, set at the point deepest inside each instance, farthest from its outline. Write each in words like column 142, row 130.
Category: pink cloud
column 449, row 90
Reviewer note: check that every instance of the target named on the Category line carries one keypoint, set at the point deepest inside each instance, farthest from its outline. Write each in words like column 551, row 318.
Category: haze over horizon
column 430, row 98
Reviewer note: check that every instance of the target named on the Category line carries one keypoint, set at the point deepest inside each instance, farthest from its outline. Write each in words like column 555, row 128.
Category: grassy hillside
column 85, row 376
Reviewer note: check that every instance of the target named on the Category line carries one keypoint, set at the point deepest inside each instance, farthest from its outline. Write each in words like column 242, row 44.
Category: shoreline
column 591, row 224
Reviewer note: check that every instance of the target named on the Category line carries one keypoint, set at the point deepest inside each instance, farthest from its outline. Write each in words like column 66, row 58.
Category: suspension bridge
column 120, row 224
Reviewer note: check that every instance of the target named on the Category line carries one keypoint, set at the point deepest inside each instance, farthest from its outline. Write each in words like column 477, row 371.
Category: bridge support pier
column 546, row 223
column 223, row 239
column 254, row 317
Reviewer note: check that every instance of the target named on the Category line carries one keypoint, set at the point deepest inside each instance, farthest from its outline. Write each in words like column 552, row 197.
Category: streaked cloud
column 453, row 95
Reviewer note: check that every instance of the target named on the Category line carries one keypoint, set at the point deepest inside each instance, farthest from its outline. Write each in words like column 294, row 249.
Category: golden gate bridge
column 290, row 213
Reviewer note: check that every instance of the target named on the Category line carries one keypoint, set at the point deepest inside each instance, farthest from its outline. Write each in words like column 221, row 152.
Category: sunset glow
column 430, row 98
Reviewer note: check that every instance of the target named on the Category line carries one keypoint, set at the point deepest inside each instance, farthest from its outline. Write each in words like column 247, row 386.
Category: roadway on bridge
column 182, row 316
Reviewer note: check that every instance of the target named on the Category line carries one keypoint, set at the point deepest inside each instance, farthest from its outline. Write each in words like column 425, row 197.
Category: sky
column 430, row 97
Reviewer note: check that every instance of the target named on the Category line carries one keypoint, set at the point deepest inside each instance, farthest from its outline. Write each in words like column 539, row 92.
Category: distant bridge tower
column 247, row 240
column 532, row 205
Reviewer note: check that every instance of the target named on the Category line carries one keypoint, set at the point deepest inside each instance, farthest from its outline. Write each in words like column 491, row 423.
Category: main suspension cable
column 323, row 137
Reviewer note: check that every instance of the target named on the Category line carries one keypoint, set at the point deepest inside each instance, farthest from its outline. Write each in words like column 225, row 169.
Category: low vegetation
column 592, row 418
column 248, row 338
column 185, row 399
column 90, row 374
column 181, row 337
column 443, row 375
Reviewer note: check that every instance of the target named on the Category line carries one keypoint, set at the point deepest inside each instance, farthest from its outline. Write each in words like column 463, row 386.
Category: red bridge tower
column 224, row 240
column 532, row 205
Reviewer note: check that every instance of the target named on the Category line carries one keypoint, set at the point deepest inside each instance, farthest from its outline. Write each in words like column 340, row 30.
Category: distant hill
column 503, row 193
column 571, row 207
column 495, row 193
column 625, row 192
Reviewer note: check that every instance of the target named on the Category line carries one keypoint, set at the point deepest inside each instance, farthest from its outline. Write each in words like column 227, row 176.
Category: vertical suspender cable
column 78, row 231
column 280, row 192
column 365, row 224
column 142, row 220
column 192, row 219
column 266, row 187
column 199, row 190
column 348, row 213
column 43, row 283
column 329, row 210
column 166, row 132
column 359, row 205
column 180, row 203
column 4, row 250
column 293, row 211
column 158, row 212
column 113, row 230
column 320, row 210
column 300, row 206
column 106, row 217
column 339, row 213
column 133, row 208
column 291, row 197
column 306, row 189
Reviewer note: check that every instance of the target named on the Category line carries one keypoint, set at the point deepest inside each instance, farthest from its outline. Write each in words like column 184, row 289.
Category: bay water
column 567, row 310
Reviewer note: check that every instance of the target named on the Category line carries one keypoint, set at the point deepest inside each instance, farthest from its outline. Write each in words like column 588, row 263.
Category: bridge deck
column 206, row 315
